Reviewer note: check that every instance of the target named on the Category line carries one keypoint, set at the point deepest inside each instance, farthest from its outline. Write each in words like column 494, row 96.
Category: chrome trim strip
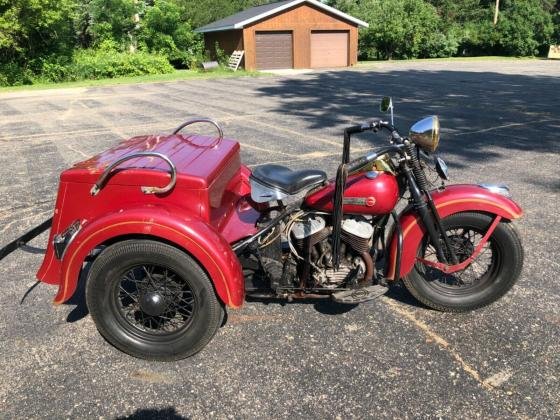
column 202, row 120
column 261, row 193
column 146, row 190
column 501, row 189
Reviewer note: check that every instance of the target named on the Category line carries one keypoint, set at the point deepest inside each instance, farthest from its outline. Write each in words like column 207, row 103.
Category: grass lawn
column 176, row 75
column 218, row 73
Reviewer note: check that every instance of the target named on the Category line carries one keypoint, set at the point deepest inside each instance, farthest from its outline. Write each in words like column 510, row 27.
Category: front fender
column 197, row 238
column 453, row 199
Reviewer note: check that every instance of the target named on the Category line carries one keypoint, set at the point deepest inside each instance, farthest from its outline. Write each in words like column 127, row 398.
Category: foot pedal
column 361, row 295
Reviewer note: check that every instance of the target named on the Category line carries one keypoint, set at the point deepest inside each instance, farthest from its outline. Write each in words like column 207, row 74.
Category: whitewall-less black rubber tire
column 152, row 300
column 499, row 272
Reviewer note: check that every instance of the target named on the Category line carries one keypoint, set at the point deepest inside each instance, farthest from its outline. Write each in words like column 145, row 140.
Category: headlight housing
column 425, row 133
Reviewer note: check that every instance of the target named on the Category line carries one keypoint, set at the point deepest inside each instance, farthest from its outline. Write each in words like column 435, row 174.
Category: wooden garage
column 288, row 34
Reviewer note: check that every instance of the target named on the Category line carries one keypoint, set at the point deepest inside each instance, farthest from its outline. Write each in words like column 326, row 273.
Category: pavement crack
column 499, row 127
column 442, row 342
column 21, row 219
column 295, row 133
column 75, row 150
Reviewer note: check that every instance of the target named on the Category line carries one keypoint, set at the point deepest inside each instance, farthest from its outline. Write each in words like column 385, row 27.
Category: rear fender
column 453, row 199
column 191, row 234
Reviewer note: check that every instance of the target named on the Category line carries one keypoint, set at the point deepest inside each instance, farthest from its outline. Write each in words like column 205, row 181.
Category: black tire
column 152, row 301
column 496, row 270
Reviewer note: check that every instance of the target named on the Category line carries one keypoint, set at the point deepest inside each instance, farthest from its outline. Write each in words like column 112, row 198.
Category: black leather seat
column 288, row 181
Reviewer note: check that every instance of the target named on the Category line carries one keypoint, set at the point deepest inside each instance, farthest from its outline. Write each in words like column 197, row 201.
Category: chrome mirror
column 387, row 105
column 425, row 133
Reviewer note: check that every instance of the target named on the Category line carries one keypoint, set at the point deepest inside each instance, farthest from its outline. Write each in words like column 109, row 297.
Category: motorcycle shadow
column 399, row 293
column 324, row 306
column 80, row 311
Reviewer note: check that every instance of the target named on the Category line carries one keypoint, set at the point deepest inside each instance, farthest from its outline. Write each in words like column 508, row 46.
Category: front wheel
column 485, row 280
column 152, row 300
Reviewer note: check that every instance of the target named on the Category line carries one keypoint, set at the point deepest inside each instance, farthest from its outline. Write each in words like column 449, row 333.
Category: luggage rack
column 146, row 190
column 218, row 139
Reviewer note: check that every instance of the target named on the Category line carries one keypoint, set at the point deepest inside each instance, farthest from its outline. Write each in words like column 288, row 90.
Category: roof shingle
column 237, row 20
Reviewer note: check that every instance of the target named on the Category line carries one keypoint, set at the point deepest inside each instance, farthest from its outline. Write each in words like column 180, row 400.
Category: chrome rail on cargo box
column 146, row 190
column 203, row 120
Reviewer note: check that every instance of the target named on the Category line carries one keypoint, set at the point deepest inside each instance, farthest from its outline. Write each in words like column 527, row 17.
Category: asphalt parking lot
column 388, row 358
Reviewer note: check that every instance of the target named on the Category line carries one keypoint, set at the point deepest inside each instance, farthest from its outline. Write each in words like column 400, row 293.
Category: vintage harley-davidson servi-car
column 170, row 230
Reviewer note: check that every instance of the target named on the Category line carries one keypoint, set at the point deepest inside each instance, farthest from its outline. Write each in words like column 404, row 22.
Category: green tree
column 345, row 6
column 524, row 28
column 402, row 29
column 112, row 20
column 33, row 32
column 164, row 30
column 556, row 21
column 202, row 12
column 30, row 29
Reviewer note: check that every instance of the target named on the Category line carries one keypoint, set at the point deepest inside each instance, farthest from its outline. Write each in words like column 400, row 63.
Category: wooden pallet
column 235, row 59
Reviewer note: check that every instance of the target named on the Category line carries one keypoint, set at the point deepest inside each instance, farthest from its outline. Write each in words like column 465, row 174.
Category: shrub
column 54, row 69
column 221, row 57
column 86, row 64
column 441, row 44
column 13, row 75
column 99, row 64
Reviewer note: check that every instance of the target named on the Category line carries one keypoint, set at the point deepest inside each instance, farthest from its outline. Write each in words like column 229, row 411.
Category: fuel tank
column 372, row 193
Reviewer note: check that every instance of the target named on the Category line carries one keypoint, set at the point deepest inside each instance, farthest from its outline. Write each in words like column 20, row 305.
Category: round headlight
column 425, row 133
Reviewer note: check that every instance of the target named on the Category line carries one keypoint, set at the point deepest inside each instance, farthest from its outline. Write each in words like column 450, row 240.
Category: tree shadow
column 484, row 115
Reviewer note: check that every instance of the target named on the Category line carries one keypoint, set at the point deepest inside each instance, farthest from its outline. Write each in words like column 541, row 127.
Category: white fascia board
column 241, row 25
column 220, row 29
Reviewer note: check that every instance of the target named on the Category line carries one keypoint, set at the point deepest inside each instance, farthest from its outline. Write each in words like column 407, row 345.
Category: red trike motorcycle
column 170, row 230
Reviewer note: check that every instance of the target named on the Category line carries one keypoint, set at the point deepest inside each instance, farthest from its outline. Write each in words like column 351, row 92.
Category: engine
column 310, row 238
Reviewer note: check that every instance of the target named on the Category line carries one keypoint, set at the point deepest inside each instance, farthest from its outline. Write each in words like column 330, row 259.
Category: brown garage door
column 274, row 50
column 329, row 49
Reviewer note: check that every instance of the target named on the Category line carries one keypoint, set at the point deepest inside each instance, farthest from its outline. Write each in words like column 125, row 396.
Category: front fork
column 430, row 218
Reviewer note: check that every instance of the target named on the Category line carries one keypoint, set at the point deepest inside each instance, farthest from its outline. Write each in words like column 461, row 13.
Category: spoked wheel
column 152, row 300
column 482, row 282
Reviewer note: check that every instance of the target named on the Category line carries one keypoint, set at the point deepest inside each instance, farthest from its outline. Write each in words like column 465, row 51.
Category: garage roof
column 246, row 17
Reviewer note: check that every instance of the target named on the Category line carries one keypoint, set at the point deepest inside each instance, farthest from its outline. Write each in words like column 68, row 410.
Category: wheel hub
column 153, row 303
column 462, row 246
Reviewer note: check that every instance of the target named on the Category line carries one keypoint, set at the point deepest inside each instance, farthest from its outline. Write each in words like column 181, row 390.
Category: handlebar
column 364, row 160
column 373, row 125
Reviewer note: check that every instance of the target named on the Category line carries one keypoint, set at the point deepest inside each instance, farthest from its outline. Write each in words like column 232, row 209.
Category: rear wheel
column 485, row 280
column 152, row 300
